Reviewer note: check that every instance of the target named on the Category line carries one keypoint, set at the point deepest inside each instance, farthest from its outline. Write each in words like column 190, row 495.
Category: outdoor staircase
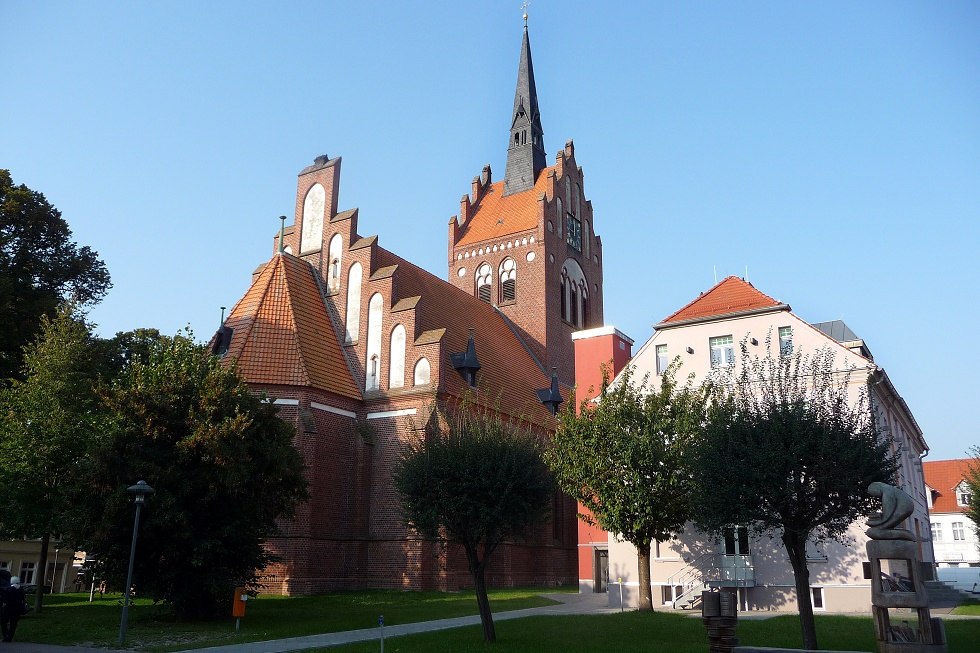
column 692, row 581
column 943, row 595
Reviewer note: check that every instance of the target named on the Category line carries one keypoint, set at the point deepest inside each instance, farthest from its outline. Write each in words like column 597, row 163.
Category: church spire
column 525, row 151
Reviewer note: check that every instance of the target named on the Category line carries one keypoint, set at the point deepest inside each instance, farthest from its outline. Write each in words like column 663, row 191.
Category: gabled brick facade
column 356, row 344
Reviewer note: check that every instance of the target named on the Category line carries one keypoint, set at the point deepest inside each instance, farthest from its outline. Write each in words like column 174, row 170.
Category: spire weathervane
column 524, row 9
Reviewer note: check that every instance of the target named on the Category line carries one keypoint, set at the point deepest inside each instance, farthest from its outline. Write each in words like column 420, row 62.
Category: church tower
column 526, row 244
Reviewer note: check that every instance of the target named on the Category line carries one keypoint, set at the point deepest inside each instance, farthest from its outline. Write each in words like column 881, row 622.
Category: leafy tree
column 973, row 481
column 223, row 466
column 40, row 267
column 49, row 422
column 786, row 452
column 623, row 457
column 477, row 480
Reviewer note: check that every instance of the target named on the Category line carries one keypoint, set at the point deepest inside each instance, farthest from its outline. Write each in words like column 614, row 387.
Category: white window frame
column 662, row 361
column 963, row 496
column 785, row 341
column 722, row 351
column 818, row 591
column 937, row 531
column 959, row 533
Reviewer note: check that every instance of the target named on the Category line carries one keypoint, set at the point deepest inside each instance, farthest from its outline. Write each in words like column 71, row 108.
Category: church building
column 357, row 345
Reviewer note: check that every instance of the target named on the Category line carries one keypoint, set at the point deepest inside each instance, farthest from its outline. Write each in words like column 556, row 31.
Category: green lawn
column 970, row 608
column 660, row 632
column 71, row 619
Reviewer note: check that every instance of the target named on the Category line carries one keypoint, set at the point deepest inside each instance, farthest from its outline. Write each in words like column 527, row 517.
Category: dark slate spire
column 525, row 151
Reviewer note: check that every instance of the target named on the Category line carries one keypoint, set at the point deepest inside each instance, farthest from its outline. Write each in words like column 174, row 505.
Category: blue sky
column 831, row 150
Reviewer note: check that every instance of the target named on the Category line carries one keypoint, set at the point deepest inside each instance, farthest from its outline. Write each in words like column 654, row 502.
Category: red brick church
column 356, row 345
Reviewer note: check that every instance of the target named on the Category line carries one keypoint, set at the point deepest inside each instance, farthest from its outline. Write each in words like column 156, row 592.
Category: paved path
column 570, row 604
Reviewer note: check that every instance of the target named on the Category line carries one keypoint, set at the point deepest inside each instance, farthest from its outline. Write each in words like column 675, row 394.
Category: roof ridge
column 752, row 299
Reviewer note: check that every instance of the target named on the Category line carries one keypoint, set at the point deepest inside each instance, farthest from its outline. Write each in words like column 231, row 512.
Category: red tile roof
column 943, row 476
column 282, row 333
column 730, row 296
column 508, row 373
column 495, row 216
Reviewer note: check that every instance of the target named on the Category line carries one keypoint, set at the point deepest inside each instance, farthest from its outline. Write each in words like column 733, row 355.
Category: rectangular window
column 27, row 572
column 722, row 351
column 574, row 232
column 958, row 530
column 785, row 341
column 817, row 593
column 937, row 531
column 963, row 498
column 661, row 358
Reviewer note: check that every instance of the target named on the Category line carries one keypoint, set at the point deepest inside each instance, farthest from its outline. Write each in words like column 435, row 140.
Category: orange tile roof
column 508, row 372
column 495, row 216
column 282, row 333
column 943, row 476
column 731, row 295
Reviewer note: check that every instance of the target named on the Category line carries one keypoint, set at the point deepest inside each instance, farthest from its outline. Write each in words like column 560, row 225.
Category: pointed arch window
column 353, row 302
column 396, row 355
column 563, row 302
column 484, row 274
column 573, row 306
column 561, row 216
column 508, row 280
column 574, row 294
column 335, row 252
column 373, row 371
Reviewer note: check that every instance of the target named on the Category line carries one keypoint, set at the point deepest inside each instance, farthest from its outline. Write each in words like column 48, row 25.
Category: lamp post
column 141, row 489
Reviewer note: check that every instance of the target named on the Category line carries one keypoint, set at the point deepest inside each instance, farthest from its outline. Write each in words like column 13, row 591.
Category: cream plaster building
column 707, row 334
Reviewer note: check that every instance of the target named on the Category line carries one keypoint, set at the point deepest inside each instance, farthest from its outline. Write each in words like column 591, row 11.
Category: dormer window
column 963, row 496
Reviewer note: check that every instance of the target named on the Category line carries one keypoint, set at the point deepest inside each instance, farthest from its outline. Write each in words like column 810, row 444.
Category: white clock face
column 313, row 219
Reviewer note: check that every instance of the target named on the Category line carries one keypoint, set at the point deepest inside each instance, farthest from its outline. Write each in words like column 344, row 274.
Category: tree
column 973, row 481
column 49, row 423
column 787, row 452
column 477, row 480
column 40, row 267
column 223, row 466
column 623, row 457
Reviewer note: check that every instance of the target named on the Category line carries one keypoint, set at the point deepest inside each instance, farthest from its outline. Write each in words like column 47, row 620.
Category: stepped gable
column 496, row 215
column 943, row 476
column 282, row 333
column 731, row 296
column 509, row 374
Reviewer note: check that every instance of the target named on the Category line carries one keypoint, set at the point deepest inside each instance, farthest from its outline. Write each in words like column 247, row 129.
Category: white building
column 706, row 334
column 954, row 535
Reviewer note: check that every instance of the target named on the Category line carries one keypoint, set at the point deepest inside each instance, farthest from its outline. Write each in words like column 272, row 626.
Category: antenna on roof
column 746, row 273
column 714, row 268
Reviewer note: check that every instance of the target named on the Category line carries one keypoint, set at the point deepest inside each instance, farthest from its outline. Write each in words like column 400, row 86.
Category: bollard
column 719, row 617
column 621, row 607
column 381, row 625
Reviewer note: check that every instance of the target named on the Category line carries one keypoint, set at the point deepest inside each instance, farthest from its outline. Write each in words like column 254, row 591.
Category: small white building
column 954, row 535
column 706, row 334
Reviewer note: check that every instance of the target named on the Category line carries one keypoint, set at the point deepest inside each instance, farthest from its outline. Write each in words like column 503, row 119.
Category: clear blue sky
column 830, row 149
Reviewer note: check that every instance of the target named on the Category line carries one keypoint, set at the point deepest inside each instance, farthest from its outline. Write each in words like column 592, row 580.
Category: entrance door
column 601, row 570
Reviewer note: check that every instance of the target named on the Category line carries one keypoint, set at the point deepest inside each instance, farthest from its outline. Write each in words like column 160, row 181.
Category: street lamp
column 141, row 489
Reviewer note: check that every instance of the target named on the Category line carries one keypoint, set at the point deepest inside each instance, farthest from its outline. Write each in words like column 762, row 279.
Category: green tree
column 475, row 479
column 223, row 466
column 40, row 267
column 973, row 481
column 623, row 457
column 787, row 452
column 49, row 423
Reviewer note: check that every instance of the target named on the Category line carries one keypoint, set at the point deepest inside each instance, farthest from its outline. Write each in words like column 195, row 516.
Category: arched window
column 373, row 342
column 578, row 200
column 586, row 237
column 584, row 295
column 568, row 195
column 483, row 275
column 313, row 209
column 561, row 216
column 335, row 253
column 574, row 295
column 353, row 302
column 396, row 356
column 422, row 372
column 508, row 280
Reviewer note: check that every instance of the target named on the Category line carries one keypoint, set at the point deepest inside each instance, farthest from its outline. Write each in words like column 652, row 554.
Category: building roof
column 943, row 476
column 509, row 373
column 837, row 330
column 496, row 215
column 282, row 333
column 730, row 297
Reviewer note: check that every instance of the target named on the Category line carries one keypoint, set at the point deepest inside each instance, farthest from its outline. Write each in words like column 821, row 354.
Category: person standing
column 11, row 604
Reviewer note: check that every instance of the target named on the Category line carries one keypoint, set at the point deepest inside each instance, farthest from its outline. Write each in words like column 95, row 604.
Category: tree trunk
column 643, row 568
column 41, row 574
column 478, row 569
column 796, row 548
